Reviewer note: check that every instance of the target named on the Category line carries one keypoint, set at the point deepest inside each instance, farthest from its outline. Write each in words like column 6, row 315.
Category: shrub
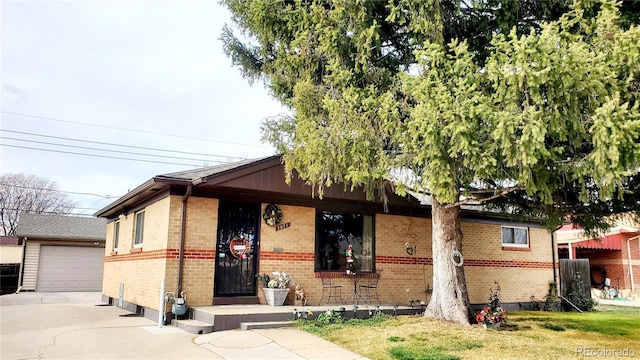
column 536, row 305
column 551, row 301
column 579, row 294
column 329, row 317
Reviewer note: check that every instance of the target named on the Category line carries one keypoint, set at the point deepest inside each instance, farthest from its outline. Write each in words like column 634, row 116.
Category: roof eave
column 40, row 237
column 216, row 178
column 118, row 205
column 140, row 189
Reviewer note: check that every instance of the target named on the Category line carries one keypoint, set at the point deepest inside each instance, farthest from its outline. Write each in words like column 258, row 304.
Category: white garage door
column 70, row 268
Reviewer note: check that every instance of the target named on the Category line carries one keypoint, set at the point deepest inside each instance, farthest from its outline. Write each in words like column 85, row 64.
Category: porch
column 205, row 319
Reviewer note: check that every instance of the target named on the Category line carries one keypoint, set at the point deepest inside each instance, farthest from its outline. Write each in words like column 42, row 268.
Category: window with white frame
column 116, row 235
column 515, row 236
column 139, row 229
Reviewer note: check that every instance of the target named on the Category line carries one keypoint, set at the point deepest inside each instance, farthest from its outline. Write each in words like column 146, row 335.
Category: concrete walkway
column 76, row 326
column 619, row 302
column 271, row 344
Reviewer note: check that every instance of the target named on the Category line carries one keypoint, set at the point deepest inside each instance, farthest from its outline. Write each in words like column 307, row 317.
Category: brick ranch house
column 204, row 231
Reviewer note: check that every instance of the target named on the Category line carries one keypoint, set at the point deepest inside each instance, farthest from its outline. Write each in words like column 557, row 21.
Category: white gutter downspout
column 633, row 287
column 570, row 250
column 24, row 248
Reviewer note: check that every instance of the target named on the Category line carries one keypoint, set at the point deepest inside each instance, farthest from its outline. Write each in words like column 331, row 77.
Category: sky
column 149, row 75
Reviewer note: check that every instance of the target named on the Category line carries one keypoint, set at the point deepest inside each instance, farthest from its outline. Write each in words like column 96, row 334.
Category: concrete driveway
column 79, row 326
column 72, row 326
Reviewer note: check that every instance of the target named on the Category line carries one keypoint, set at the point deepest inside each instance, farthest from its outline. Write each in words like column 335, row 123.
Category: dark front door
column 236, row 251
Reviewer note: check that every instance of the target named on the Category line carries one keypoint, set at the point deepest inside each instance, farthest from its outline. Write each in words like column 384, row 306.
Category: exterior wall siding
column 404, row 277
column 140, row 269
column 291, row 250
column 31, row 259
column 141, row 280
column 200, row 245
column 634, row 246
column 520, row 274
column 10, row 254
column 631, row 264
column 156, row 224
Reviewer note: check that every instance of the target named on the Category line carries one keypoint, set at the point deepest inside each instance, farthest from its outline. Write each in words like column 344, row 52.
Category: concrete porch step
column 265, row 325
column 193, row 326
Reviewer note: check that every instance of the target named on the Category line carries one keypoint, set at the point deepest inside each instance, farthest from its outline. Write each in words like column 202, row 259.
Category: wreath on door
column 240, row 248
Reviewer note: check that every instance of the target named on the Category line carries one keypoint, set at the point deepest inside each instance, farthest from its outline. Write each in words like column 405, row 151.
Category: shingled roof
column 200, row 173
column 193, row 177
column 61, row 227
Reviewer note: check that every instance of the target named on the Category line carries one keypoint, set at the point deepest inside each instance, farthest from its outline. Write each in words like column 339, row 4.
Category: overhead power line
column 132, row 130
column 62, row 191
column 51, row 212
column 107, row 150
column 75, row 208
column 84, row 210
column 95, row 155
column 122, row 145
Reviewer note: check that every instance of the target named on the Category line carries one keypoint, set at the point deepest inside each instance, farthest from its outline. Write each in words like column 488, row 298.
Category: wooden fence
column 575, row 276
column 9, row 274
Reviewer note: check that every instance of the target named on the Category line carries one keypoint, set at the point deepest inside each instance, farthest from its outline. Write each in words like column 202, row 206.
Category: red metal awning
column 610, row 242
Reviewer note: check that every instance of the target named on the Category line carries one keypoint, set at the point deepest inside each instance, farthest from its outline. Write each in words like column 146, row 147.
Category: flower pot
column 275, row 297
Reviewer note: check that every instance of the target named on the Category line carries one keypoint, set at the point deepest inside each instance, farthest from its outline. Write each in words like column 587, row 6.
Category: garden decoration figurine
column 349, row 256
column 410, row 249
column 491, row 319
column 301, row 298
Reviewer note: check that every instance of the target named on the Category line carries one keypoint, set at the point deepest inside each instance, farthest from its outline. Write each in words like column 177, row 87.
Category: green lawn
column 528, row 335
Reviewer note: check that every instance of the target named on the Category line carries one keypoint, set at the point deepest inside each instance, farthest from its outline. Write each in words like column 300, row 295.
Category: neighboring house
column 615, row 255
column 10, row 259
column 10, row 250
column 62, row 253
column 208, row 232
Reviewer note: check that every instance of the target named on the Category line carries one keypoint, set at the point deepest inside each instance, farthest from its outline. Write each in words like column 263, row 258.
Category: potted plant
column 276, row 287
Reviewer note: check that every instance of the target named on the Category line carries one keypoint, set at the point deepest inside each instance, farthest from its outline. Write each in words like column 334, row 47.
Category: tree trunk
column 450, row 299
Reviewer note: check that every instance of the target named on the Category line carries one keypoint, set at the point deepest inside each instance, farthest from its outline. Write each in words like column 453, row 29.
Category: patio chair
column 369, row 290
column 334, row 291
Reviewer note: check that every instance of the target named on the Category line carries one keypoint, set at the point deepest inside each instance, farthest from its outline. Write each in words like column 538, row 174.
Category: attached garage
column 70, row 268
column 62, row 253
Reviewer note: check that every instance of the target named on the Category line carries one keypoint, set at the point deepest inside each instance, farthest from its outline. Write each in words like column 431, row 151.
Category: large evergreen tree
column 528, row 105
